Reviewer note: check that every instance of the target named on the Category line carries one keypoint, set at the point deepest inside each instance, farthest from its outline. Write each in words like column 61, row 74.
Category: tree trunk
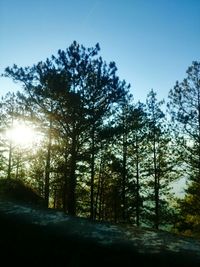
column 124, row 174
column 92, row 177
column 47, row 167
column 9, row 160
column 65, row 187
column 137, row 186
column 98, row 188
column 17, row 167
column 101, row 198
column 156, row 187
column 198, row 135
column 71, row 188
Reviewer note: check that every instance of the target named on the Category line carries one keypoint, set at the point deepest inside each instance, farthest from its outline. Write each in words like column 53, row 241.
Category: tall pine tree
column 184, row 105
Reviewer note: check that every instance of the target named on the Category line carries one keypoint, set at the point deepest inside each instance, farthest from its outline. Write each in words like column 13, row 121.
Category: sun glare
column 21, row 134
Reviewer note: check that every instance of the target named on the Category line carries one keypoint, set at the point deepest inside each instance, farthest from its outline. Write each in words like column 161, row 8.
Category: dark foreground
column 31, row 236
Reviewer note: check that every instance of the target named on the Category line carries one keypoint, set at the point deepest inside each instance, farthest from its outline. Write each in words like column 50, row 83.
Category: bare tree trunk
column 9, row 160
column 124, row 176
column 98, row 189
column 47, row 167
column 137, row 186
column 92, row 178
column 199, row 134
column 101, row 200
column 71, row 188
column 156, row 185
column 17, row 167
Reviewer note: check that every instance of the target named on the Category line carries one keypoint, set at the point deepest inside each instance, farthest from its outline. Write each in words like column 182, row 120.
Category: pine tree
column 138, row 139
column 158, row 160
column 184, row 105
column 74, row 91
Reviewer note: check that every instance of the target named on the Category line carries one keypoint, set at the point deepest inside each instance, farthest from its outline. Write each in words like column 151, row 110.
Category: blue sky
column 152, row 41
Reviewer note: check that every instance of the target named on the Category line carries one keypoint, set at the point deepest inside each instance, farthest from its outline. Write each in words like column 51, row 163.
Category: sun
column 21, row 134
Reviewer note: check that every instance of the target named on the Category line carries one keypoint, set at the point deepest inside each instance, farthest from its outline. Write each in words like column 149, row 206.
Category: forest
column 89, row 150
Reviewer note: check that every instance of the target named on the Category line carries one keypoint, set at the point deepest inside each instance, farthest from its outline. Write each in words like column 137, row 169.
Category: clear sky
column 152, row 41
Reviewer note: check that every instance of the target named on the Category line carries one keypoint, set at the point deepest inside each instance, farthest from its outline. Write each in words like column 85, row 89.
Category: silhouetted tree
column 138, row 142
column 74, row 90
column 8, row 115
column 184, row 105
column 102, row 90
column 158, row 163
